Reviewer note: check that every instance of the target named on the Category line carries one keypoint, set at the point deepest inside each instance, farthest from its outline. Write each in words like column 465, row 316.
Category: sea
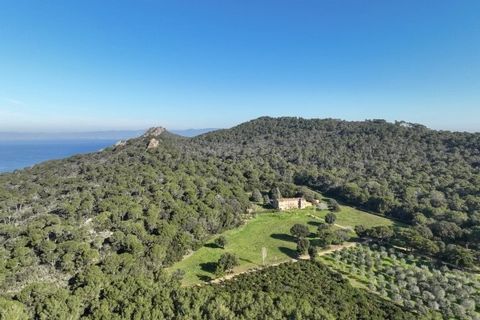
column 18, row 154
column 21, row 150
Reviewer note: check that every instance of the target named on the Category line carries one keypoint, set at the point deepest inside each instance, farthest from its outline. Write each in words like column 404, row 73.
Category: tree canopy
column 73, row 225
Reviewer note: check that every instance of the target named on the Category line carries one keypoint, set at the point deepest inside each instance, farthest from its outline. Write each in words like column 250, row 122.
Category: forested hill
column 427, row 178
column 400, row 169
column 396, row 168
column 142, row 204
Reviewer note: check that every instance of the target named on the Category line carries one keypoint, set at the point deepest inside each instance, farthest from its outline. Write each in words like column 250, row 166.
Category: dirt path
column 343, row 227
column 337, row 247
column 321, row 253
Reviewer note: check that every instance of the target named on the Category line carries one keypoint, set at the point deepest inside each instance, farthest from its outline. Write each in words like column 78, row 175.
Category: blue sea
column 22, row 153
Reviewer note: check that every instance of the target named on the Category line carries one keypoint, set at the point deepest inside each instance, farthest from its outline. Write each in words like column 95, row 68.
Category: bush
column 302, row 246
column 330, row 218
column 333, row 205
column 299, row 230
column 312, row 252
column 226, row 263
column 221, row 242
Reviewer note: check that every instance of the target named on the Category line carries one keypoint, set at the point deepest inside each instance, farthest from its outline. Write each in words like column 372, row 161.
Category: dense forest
column 304, row 290
column 118, row 217
column 428, row 179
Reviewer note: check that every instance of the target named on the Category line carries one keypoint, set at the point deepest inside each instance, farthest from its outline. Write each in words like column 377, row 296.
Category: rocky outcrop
column 152, row 144
column 154, row 132
column 120, row 143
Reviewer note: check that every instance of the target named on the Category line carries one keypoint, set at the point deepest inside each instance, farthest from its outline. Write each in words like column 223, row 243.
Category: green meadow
column 269, row 230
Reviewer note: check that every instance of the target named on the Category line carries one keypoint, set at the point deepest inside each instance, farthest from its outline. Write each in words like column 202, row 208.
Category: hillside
column 428, row 178
column 271, row 231
column 140, row 206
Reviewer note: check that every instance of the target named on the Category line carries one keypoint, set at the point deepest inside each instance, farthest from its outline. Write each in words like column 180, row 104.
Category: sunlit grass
column 269, row 230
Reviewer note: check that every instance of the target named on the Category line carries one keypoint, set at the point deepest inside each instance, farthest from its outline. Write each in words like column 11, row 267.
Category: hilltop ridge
column 133, row 209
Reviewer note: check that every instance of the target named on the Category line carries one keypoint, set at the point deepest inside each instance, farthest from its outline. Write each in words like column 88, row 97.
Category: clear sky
column 112, row 64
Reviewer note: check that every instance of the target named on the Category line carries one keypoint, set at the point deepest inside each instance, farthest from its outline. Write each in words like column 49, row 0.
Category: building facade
column 290, row 203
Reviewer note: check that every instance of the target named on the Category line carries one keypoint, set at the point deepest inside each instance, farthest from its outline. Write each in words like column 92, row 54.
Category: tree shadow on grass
column 312, row 235
column 208, row 266
column 289, row 252
column 204, row 278
column 246, row 260
column 316, row 243
column 284, row 237
column 211, row 245
column 315, row 223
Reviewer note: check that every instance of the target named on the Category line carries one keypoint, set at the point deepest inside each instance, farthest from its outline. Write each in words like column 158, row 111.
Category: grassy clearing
column 350, row 217
column 270, row 230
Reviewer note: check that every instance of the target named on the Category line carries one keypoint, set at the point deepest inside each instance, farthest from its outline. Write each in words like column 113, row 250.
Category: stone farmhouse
column 290, row 203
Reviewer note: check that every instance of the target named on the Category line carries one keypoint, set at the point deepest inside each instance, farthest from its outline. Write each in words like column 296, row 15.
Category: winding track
column 305, row 257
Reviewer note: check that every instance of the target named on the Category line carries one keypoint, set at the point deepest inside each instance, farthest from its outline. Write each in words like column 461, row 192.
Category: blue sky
column 112, row 64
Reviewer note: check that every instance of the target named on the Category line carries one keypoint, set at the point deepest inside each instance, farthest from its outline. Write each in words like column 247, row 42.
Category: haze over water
column 21, row 154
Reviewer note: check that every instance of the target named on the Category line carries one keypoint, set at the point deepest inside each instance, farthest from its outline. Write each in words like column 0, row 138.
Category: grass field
column 270, row 230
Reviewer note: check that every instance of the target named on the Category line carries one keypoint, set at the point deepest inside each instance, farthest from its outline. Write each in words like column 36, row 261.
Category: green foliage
column 154, row 205
column 415, row 283
column 327, row 236
column 302, row 246
column 12, row 310
column 299, row 230
column 312, row 252
column 413, row 238
column 360, row 230
column 360, row 164
column 381, row 233
column 330, row 218
column 257, row 196
column 221, row 242
column 282, row 292
column 226, row 263
column 269, row 230
column 275, row 193
column 459, row 256
column 333, row 205
column 128, row 204
column 286, row 292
